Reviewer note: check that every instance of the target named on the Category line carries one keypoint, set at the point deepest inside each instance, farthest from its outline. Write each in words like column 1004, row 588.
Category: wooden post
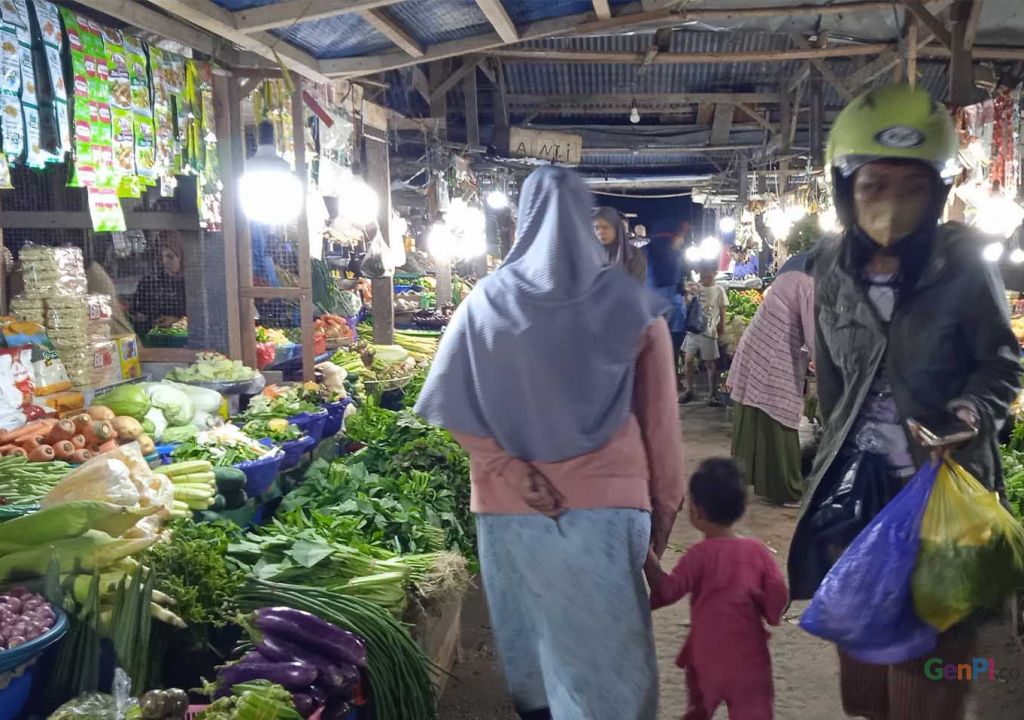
column 246, row 303
column 378, row 177
column 229, row 208
column 785, row 133
column 444, row 283
column 472, row 112
column 437, row 73
column 816, row 118
column 961, row 65
column 912, row 39
column 501, row 119
column 743, row 193
column 302, row 229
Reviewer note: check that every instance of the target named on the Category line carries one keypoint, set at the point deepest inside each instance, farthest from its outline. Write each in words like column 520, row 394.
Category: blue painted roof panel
column 431, row 21
column 341, row 36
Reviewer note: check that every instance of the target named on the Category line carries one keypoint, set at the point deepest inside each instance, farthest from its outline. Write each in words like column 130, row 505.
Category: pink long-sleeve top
column 641, row 466
column 770, row 363
column 735, row 586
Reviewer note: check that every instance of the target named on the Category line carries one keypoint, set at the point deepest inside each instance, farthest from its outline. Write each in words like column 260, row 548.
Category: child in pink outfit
column 735, row 583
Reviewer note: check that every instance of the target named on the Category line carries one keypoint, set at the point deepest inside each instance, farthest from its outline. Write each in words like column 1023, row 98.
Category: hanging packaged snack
column 142, row 111
column 12, row 125
column 51, row 91
column 105, row 210
column 80, row 140
column 122, row 127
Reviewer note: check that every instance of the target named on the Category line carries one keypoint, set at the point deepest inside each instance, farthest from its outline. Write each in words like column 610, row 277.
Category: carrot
column 63, row 449
column 107, row 446
column 79, row 442
column 79, row 456
column 12, row 450
column 43, row 453
column 31, row 443
column 82, row 421
column 63, row 430
column 25, row 431
column 94, row 449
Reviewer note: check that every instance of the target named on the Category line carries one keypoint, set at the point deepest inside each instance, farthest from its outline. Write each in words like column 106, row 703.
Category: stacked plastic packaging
column 56, row 296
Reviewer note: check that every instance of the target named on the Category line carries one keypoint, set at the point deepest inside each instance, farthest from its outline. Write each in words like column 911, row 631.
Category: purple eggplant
column 318, row 695
column 308, row 630
column 290, row 675
column 279, row 649
column 304, row 704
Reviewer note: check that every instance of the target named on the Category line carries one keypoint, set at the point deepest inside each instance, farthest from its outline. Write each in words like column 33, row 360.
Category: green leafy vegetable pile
column 409, row 479
column 1013, row 479
column 276, row 429
column 194, row 569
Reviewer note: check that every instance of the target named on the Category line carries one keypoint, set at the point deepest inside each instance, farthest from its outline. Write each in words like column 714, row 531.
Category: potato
column 146, row 445
column 128, row 429
column 100, row 412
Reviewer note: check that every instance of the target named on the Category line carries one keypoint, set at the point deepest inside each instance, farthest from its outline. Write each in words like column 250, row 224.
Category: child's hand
column 653, row 569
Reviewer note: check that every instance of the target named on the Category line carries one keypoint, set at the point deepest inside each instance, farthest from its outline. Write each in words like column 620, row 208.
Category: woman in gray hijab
column 575, row 453
column 613, row 233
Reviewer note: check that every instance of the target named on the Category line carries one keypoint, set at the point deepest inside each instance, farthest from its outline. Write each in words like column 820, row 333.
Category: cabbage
column 126, row 400
column 180, row 433
column 204, row 420
column 175, row 405
column 155, row 420
column 203, row 399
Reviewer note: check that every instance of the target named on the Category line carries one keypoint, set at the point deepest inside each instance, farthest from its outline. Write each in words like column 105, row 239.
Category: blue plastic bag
column 865, row 603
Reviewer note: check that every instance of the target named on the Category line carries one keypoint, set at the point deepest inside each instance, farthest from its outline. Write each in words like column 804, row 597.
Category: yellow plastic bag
column 972, row 550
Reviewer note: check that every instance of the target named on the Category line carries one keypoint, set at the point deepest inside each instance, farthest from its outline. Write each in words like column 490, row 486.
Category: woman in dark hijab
column 612, row 232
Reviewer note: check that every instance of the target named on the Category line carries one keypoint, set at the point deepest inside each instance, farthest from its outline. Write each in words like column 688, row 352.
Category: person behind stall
column 744, row 264
column 703, row 347
column 160, row 296
column 766, row 382
column 575, row 454
column 613, row 233
column 665, row 277
column 735, row 587
column 910, row 323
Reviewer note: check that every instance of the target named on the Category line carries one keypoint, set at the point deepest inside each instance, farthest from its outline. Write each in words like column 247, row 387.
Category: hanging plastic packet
column 51, row 91
column 80, row 140
column 142, row 111
column 12, row 124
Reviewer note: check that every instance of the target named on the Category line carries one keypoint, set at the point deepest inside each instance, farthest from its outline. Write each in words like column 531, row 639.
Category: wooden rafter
column 756, row 117
column 453, row 79
column 139, row 16
column 721, row 125
column 972, row 23
column 499, row 19
column 602, row 10
column 936, row 26
column 284, row 14
column 830, row 77
column 631, row 58
column 393, row 31
column 642, row 99
column 217, row 20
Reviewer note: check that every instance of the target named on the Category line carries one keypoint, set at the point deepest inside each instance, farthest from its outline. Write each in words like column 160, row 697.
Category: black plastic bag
column 853, row 491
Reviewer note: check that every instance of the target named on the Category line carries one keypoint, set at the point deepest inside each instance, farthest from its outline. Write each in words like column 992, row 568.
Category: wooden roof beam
column 393, row 31
column 930, row 21
column 631, row 58
column 972, row 23
column 499, row 19
column 643, row 99
column 218, row 21
column 286, row 13
column 141, row 17
column 830, row 77
column 602, row 9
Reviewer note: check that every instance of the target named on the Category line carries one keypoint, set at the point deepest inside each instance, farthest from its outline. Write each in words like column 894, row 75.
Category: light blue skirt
column 570, row 612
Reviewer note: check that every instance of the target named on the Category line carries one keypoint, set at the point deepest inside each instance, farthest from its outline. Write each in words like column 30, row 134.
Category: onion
column 14, row 604
column 16, row 641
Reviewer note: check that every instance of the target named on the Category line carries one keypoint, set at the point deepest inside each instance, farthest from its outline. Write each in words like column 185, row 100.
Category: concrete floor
column 806, row 669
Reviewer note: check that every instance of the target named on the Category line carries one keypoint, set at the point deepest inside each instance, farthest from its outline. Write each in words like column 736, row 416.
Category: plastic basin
column 13, row 659
column 311, row 424
column 260, row 474
column 294, row 450
column 335, row 417
column 14, row 697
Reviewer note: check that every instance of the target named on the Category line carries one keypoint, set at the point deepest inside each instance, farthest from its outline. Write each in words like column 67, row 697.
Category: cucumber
column 235, row 500
column 229, row 479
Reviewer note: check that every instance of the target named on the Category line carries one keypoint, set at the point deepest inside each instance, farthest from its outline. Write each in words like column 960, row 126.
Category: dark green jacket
column 950, row 342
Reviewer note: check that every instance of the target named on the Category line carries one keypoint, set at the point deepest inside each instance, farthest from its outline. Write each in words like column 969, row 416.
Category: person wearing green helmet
column 910, row 323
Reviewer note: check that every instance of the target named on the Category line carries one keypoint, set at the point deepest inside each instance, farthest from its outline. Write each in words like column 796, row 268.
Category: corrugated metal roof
column 618, row 160
column 433, row 21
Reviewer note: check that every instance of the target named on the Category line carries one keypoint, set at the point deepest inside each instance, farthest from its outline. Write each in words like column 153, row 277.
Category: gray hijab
column 541, row 356
column 620, row 252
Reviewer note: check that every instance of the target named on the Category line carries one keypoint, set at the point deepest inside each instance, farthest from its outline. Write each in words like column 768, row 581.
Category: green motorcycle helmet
column 893, row 122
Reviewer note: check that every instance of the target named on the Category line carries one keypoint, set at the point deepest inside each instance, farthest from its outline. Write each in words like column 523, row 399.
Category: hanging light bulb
column 710, row 248
column 727, row 224
column 497, row 200
column 441, row 242
column 828, row 221
column 358, row 201
column 269, row 192
column 1017, row 256
column 993, row 252
column 634, row 112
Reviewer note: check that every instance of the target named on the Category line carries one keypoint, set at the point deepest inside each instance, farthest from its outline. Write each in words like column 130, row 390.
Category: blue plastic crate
column 311, row 424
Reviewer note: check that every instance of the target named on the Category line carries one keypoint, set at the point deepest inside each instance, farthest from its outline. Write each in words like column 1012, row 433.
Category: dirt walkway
column 806, row 669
